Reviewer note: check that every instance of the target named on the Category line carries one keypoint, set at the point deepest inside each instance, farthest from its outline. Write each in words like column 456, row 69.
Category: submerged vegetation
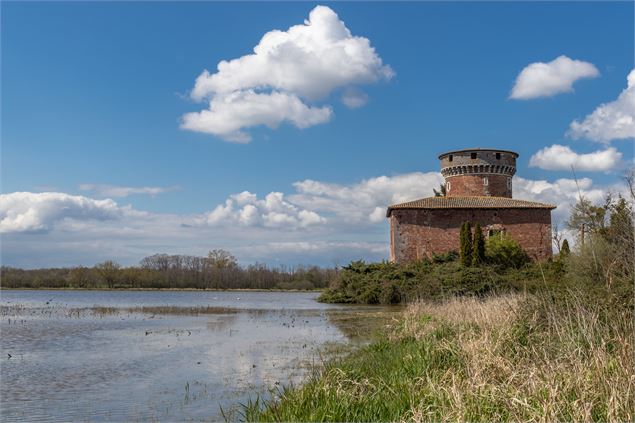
column 219, row 270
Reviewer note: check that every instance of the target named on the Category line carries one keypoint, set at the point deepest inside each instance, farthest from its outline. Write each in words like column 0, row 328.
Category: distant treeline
column 219, row 270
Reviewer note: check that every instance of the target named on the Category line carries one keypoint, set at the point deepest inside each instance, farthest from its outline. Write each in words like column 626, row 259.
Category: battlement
column 478, row 172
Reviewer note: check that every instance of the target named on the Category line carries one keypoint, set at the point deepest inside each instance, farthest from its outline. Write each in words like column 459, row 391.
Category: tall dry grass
column 532, row 358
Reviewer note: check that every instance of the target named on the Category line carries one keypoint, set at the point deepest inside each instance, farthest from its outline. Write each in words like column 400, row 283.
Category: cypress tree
column 478, row 252
column 565, row 250
column 465, row 239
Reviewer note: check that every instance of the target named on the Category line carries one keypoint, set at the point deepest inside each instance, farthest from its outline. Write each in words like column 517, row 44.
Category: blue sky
column 94, row 94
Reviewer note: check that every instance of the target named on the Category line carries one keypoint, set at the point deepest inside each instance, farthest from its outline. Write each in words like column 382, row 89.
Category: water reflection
column 221, row 323
column 168, row 356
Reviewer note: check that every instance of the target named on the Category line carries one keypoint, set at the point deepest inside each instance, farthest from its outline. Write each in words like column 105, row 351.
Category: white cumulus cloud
column 274, row 211
column 228, row 114
column 365, row 201
column 561, row 157
column 547, row 79
column 354, row 98
column 610, row 121
column 563, row 193
column 287, row 70
column 328, row 205
column 34, row 212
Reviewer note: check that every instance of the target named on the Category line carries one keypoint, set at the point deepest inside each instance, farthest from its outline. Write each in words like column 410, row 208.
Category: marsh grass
column 364, row 324
column 175, row 310
column 169, row 310
column 104, row 310
column 510, row 357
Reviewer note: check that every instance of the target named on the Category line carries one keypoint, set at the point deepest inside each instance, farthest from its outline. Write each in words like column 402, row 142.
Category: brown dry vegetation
column 513, row 357
column 532, row 359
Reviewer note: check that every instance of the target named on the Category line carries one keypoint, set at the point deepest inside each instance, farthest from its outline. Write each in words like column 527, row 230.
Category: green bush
column 390, row 283
column 504, row 252
column 390, row 293
column 445, row 257
column 473, row 281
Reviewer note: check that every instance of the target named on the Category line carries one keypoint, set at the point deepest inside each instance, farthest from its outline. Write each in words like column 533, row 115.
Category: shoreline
column 470, row 359
column 166, row 289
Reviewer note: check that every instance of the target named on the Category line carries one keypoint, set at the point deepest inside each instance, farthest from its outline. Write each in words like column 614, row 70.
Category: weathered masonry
column 478, row 184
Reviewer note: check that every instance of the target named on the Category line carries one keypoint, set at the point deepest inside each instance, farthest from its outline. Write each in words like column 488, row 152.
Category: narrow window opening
column 450, row 158
column 473, row 156
column 448, row 186
column 485, row 181
column 498, row 156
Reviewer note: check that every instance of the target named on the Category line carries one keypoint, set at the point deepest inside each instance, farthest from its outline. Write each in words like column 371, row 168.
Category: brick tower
column 478, row 172
column 478, row 184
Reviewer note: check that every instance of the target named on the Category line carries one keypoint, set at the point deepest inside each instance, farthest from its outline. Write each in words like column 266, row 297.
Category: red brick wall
column 416, row 234
column 470, row 185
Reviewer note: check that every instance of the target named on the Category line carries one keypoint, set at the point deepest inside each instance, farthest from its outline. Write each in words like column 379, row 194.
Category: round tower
column 478, row 172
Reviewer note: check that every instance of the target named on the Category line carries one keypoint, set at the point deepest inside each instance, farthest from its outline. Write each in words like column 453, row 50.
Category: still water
column 162, row 355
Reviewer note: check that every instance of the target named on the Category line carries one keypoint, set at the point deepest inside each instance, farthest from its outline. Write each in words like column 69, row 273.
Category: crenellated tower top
column 478, row 172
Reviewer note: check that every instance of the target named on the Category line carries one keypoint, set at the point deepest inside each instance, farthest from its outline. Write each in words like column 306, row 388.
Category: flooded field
column 163, row 355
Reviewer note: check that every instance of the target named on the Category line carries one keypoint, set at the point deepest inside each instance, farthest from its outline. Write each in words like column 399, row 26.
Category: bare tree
column 221, row 259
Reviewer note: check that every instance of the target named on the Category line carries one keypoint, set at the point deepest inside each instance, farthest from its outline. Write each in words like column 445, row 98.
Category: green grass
column 511, row 357
column 373, row 383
